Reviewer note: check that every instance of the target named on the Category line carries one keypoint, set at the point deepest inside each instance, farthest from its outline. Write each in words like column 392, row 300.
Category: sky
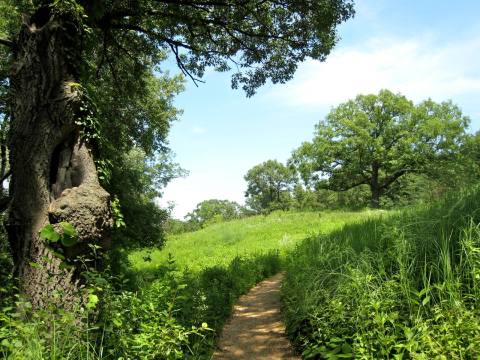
column 422, row 49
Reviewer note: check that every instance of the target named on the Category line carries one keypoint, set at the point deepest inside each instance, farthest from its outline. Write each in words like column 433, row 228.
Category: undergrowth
column 405, row 286
column 176, row 314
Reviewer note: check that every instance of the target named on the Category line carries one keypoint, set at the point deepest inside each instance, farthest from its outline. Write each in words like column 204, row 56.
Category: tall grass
column 48, row 334
column 403, row 286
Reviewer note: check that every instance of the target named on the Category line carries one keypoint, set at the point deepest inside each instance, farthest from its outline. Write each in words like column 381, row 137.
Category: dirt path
column 256, row 330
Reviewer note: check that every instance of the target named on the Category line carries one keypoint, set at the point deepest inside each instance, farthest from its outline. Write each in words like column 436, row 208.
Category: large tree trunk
column 53, row 174
column 375, row 187
column 375, row 199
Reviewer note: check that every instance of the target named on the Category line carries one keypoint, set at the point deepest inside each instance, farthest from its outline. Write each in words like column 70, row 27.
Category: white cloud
column 418, row 68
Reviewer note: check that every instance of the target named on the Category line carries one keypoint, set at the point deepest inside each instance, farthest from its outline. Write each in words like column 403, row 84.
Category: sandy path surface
column 256, row 330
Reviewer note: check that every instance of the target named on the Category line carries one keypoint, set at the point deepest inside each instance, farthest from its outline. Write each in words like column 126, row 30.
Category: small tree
column 214, row 210
column 378, row 139
column 269, row 185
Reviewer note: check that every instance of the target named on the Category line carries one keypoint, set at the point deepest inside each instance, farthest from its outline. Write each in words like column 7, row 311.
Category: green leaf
column 69, row 236
column 347, row 349
column 68, row 241
column 58, row 255
column 48, row 233
column 92, row 301
column 68, row 229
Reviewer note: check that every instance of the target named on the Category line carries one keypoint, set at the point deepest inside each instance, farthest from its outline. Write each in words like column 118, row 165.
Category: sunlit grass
column 402, row 286
column 219, row 243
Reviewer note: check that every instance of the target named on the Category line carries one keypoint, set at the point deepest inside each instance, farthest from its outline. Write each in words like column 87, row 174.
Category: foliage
column 174, row 226
column 325, row 199
column 137, row 183
column 7, row 284
column 268, row 186
column 144, row 325
column 402, row 286
column 375, row 140
column 176, row 314
column 124, row 41
column 152, row 313
column 269, row 44
column 48, row 334
column 212, row 211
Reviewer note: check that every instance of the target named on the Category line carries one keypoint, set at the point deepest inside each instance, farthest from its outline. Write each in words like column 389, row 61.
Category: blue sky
column 427, row 48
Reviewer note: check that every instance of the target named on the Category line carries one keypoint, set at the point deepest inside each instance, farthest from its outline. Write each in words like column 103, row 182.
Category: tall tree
column 378, row 139
column 269, row 185
column 60, row 50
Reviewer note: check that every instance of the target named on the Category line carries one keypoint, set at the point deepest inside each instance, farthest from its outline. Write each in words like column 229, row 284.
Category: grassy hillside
column 220, row 243
column 402, row 287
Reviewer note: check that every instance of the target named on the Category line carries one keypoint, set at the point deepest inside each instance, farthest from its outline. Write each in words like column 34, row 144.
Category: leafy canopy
column 214, row 210
column 269, row 185
column 257, row 39
column 378, row 139
column 129, row 99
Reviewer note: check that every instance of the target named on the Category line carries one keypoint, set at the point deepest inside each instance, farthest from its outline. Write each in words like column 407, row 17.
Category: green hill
column 220, row 243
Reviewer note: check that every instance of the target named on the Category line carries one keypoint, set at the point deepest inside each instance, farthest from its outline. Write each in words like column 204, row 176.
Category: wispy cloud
column 415, row 67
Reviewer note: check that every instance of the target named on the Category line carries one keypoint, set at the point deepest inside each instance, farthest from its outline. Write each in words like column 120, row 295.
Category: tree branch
column 392, row 178
column 7, row 43
column 6, row 176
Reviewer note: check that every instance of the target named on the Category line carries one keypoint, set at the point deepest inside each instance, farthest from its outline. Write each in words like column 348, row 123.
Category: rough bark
column 53, row 174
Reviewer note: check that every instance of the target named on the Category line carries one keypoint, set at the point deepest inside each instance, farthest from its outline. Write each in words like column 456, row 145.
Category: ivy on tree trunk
column 53, row 174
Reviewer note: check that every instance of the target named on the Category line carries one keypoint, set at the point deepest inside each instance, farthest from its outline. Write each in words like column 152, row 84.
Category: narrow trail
column 256, row 330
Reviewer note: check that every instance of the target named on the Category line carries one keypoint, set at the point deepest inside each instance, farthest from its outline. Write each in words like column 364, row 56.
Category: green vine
column 117, row 213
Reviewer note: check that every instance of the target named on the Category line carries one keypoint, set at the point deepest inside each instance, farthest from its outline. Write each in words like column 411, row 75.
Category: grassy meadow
column 218, row 244
column 400, row 287
column 175, row 305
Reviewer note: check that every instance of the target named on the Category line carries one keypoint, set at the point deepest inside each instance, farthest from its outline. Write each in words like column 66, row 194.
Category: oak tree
column 375, row 140
column 71, row 67
column 213, row 210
